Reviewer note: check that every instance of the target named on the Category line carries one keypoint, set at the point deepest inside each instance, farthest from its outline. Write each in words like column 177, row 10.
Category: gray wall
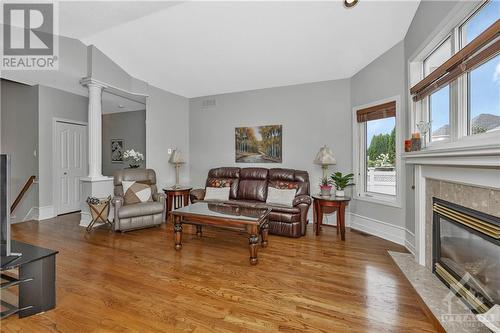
column 19, row 138
column 167, row 126
column 312, row 115
column 383, row 78
column 72, row 67
column 128, row 126
column 54, row 103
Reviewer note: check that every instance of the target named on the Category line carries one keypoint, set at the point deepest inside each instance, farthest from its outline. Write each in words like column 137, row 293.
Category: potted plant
column 341, row 182
column 325, row 185
column 133, row 157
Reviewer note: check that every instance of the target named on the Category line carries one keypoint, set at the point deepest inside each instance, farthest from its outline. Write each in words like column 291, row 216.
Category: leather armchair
column 140, row 215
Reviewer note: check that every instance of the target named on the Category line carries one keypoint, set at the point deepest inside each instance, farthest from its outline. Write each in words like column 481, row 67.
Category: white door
column 71, row 165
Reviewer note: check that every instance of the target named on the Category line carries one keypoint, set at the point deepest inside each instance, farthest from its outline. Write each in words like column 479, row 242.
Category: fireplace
column 466, row 253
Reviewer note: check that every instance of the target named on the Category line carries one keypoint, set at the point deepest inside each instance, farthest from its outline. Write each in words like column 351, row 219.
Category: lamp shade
column 325, row 156
column 176, row 157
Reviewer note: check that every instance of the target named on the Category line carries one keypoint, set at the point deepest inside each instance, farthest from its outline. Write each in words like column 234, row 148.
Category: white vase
column 340, row 193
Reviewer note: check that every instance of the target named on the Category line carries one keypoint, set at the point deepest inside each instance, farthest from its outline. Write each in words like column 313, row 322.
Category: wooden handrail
column 26, row 186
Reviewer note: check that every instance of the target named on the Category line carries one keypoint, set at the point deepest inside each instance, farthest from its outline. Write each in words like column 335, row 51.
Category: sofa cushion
column 136, row 192
column 279, row 177
column 253, row 184
column 217, row 193
column 280, row 196
column 279, row 208
column 225, row 175
column 141, row 209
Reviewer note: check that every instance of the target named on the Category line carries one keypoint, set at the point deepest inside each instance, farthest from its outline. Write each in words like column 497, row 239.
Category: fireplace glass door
column 474, row 260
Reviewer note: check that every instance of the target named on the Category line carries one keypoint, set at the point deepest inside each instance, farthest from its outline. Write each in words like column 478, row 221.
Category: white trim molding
column 45, row 212
column 390, row 232
column 357, row 137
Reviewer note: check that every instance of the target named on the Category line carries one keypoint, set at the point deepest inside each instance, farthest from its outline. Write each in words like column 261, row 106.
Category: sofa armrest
column 159, row 197
column 197, row 195
column 302, row 199
column 117, row 202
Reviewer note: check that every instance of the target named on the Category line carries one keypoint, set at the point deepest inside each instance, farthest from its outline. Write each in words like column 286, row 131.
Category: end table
column 177, row 197
column 329, row 204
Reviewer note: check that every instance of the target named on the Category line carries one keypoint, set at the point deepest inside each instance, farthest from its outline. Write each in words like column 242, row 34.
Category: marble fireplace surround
column 473, row 187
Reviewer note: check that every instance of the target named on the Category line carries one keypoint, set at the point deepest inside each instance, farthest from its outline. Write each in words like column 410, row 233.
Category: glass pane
column 438, row 57
column 439, row 114
column 484, row 97
column 480, row 21
column 380, row 156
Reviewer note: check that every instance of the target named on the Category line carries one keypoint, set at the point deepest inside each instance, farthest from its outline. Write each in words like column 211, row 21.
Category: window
column 377, row 143
column 438, row 103
column 484, row 98
column 462, row 98
column 380, row 146
column 483, row 83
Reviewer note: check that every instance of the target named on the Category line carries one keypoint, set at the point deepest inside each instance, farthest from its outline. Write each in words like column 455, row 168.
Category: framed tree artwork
column 259, row 144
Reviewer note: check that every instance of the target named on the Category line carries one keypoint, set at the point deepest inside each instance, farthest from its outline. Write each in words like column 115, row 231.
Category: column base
column 99, row 187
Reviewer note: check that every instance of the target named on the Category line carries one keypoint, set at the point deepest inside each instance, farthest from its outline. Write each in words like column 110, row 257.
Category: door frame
column 55, row 120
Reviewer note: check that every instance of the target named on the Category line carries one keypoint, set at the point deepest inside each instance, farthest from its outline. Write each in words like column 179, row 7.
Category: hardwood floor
column 137, row 282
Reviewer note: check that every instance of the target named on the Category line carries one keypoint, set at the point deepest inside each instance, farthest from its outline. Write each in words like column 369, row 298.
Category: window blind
column 479, row 50
column 381, row 111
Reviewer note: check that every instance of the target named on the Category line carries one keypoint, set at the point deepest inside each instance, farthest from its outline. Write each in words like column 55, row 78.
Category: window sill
column 379, row 200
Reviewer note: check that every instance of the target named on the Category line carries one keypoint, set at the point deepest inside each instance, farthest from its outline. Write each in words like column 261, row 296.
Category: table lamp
column 325, row 158
column 176, row 159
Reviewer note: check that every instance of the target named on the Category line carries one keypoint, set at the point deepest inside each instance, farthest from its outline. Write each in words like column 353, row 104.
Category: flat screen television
column 4, row 205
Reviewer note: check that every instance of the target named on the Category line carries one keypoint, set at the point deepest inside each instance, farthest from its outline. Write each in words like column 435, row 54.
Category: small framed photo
column 117, row 150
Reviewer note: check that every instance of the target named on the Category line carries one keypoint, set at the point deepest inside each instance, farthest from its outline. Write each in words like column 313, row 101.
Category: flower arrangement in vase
column 133, row 157
column 325, row 185
column 341, row 182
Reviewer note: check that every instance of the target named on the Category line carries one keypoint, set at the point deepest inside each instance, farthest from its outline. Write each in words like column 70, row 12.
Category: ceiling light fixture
column 350, row 3
column 121, row 106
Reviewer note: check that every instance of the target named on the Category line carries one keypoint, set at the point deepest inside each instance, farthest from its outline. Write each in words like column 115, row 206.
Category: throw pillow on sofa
column 217, row 193
column 280, row 196
column 136, row 192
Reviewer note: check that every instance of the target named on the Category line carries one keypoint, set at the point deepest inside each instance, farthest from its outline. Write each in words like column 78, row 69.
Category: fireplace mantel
column 472, row 156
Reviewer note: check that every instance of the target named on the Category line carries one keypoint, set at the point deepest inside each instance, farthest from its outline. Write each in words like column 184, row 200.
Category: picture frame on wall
column 259, row 144
column 117, row 148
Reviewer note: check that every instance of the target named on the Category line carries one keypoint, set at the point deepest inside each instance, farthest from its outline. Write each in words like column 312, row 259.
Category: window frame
column 360, row 158
column 459, row 108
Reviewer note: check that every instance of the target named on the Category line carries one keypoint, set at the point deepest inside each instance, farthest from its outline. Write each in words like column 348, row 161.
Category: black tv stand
column 35, row 279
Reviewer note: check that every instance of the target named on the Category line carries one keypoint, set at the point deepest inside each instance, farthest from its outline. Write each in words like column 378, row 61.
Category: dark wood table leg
column 341, row 220
column 169, row 204
column 177, row 233
column 319, row 218
column 186, row 199
column 264, row 231
column 198, row 231
column 253, row 241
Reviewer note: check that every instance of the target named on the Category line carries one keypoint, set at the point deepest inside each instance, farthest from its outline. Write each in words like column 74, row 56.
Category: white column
column 95, row 130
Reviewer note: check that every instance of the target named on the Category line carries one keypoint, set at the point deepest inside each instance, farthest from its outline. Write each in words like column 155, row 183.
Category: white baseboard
column 378, row 228
column 85, row 219
column 45, row 212
column 410, row 241
column 32, row 214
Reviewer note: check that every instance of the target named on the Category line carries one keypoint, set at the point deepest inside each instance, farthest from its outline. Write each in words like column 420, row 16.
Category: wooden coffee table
column 254, row 221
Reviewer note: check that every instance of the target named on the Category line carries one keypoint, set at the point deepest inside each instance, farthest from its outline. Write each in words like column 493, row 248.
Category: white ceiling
column 113, row 104
column 206, row 48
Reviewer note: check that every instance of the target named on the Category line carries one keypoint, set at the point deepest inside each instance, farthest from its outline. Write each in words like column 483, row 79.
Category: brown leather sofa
column 139, row 215
column 249, row 189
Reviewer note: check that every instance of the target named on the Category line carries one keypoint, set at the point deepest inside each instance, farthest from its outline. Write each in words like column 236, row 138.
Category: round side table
column 329, row 204
column 177, row 197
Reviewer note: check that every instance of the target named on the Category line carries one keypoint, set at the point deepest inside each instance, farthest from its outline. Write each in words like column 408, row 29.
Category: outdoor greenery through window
column 381, row 156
